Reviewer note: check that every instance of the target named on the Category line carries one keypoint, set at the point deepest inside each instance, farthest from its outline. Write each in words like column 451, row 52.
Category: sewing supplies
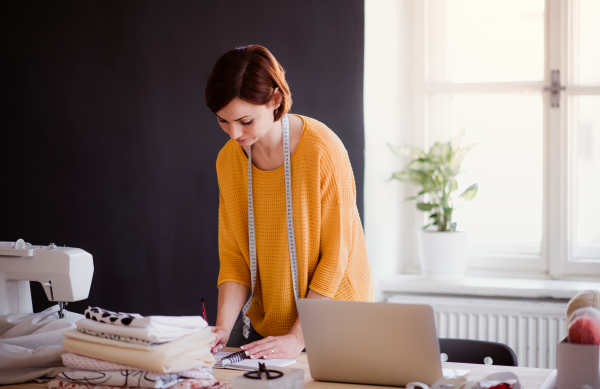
column 204, row 310
column 263, row 378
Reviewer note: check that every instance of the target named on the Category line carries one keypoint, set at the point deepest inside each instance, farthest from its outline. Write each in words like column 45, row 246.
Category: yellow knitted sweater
column 330, row 245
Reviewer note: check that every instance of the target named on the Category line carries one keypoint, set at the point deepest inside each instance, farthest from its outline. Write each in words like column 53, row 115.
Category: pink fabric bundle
column 187, row 384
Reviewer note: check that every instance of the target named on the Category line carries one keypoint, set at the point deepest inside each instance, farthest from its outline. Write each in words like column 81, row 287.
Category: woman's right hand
column 221, row 340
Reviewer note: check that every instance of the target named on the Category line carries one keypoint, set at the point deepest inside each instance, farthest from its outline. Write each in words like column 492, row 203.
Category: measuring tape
column 290, row 223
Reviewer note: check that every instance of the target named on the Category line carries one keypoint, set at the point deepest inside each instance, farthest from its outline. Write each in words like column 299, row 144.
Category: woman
column 287, row 229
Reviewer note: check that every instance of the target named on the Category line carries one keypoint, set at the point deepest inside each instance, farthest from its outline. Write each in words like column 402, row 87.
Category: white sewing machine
column 64, row 272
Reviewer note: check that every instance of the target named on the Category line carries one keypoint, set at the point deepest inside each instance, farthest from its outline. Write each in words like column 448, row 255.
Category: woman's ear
column 277, row 98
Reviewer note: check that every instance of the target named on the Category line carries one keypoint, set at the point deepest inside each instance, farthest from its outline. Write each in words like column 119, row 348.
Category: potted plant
column 442, row 249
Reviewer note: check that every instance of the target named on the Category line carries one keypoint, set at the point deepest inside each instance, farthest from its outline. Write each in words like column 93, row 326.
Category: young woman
column 287, row 229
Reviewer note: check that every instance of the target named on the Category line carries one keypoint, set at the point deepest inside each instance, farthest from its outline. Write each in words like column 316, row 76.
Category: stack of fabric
column 116, row 350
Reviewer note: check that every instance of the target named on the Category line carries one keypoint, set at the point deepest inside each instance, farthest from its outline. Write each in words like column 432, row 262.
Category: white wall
column 387, row 105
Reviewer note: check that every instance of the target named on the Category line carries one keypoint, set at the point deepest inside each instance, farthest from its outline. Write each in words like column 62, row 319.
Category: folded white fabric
column 129, row 378
column 136, row 320
column 30, row 344
column 155, row 329
column 149, row 334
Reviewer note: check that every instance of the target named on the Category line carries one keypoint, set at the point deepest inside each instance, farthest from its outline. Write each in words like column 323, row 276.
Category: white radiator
column 532, row 329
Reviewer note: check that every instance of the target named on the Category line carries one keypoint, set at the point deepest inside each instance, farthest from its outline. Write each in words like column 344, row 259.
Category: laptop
column 370, row 343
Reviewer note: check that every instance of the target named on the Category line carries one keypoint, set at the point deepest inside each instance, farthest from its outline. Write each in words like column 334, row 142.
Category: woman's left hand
column 272, row 347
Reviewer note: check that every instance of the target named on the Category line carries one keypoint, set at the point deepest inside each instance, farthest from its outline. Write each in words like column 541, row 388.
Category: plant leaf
column 440, row 153
column 410, row 198
column 459, row 156
column 453, row 186
column 425, row 206
column 457, row 139
column 422, row 164
column 407, row 151
column 470, row 192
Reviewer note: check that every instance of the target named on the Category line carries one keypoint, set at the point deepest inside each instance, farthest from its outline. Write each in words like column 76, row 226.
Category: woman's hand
column 221, row 340
column 272, row 347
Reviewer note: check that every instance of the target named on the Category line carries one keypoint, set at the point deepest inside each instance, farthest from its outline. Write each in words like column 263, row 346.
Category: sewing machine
column 64, row 272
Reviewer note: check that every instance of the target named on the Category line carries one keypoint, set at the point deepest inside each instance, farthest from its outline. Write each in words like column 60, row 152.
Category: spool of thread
column 587, row 298
column 584, row 327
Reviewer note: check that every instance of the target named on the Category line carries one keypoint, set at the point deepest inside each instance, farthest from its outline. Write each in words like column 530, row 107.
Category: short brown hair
column 251, row 73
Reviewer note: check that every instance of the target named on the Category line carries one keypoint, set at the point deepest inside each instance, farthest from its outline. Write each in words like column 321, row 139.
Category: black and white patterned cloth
column 110, row 317
column 127, row 339
column 159, row 325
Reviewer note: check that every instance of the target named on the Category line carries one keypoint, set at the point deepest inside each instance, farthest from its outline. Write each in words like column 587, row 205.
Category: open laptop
column 370, row 343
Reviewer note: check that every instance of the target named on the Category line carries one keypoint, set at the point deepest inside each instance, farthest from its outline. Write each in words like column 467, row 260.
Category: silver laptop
column 370, row 343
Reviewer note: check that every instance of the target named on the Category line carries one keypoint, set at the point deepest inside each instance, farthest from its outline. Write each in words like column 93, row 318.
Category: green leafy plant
column 435, row 172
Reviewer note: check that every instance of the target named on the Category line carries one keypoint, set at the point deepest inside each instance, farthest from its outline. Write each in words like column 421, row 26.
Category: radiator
column 531, row 328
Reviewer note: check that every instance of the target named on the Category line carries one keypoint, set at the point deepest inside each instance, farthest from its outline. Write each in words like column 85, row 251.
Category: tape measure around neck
column 290, row 224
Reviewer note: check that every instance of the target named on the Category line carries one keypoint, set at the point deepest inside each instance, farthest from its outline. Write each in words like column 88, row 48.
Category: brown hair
column 251, row 73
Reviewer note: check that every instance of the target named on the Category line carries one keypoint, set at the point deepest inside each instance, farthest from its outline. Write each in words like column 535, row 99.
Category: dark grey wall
column 107, row 145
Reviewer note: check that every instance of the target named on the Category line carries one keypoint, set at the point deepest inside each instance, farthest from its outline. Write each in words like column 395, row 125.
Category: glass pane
column 588, row 171
column 586, row 42
column 487, row 41
column 506, row 214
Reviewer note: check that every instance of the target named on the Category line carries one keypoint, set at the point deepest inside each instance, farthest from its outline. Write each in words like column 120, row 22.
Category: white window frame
column 556, row 257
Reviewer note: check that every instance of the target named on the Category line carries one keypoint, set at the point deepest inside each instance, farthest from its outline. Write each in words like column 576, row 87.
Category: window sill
column 486, row 287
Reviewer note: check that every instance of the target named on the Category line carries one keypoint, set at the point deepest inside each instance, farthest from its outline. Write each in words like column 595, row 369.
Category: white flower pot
column 443, row 255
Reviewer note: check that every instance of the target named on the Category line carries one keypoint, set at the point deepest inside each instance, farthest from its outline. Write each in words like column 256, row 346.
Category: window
column 489, row 66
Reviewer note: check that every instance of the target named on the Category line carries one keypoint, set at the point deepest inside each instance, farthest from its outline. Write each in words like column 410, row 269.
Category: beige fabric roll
column 183, row 344
column 166, row 358
column 587, row 298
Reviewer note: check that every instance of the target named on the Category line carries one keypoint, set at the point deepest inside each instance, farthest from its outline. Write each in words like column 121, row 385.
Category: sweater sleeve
column 233, row 267
column 338, row 204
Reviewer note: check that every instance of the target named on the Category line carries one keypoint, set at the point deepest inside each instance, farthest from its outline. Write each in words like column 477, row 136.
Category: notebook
column 250, row 364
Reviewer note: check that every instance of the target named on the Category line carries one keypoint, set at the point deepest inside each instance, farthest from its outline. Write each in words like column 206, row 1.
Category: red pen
column 204, row 310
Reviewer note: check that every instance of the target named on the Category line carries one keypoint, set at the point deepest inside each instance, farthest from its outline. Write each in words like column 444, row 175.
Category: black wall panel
column 107, row 145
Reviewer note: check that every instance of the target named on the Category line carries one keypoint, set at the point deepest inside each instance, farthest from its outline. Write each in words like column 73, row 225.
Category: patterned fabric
column 105, row 316
column 159, row 323
column 127, row 339
column 75, row 361
column 153, row 335
column 130, row 378
column 58, row 383
column 332, row 257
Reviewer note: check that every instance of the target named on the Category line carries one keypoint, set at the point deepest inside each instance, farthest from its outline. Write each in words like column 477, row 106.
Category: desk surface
column 530, row 378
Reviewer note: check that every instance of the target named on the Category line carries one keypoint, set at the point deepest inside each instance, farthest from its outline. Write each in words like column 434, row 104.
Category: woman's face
column 245, row 122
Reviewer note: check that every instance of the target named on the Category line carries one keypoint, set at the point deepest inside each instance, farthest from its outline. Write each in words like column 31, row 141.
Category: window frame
column 556, row 258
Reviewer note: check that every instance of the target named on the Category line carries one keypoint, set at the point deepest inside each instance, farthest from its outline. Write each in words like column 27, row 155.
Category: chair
column 477, row 351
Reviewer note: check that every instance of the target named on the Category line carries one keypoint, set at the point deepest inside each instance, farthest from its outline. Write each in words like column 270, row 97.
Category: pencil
column 204, row 310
